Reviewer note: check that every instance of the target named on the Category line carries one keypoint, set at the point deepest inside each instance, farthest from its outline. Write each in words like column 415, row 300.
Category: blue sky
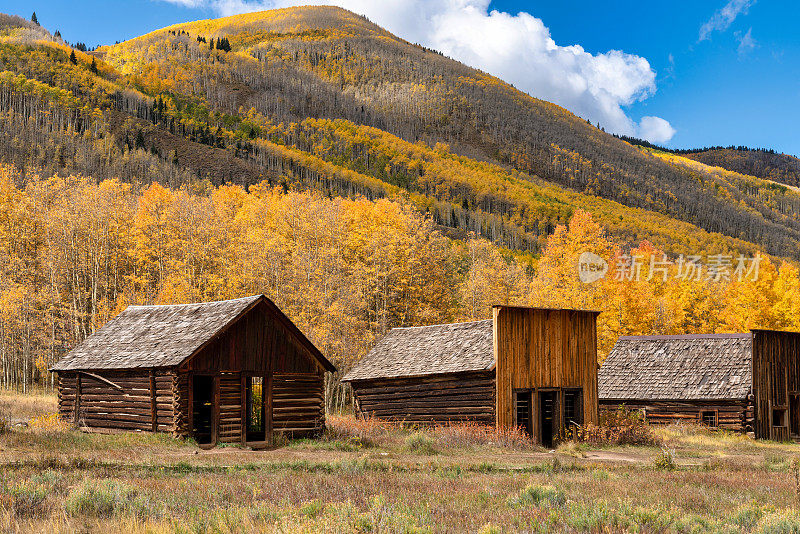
column 689, row 73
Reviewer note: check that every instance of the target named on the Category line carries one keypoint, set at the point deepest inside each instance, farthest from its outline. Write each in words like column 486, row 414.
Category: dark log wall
column 735, row 415
column 776, row 379
column 298, row 407
column 542, row 349
column 143, row 399
column 433, row 399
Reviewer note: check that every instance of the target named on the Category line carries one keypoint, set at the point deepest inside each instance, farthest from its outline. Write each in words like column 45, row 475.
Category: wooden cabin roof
column 165, row 335
column 686, row 367
column 428, row 350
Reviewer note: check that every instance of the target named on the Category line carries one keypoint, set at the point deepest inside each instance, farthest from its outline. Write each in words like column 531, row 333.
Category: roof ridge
column 442, row 324
column 668, row 337
column 192, row 303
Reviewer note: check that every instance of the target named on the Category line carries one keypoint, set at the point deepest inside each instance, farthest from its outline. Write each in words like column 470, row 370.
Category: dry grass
column 370, row 432
column 367, row 476
column 18, row 407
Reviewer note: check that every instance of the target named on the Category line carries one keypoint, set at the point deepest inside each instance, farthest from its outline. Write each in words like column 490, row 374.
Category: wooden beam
column 267, row 399
column 153, row 403
column 101, row 379
column 77, row 399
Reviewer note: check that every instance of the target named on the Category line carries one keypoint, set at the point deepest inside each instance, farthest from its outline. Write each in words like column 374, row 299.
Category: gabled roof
column 688, row 367
column 165, row 335
column 428, row 350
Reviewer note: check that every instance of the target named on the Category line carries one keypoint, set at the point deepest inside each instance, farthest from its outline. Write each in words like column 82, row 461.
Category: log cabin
column 747, row 382
column 234, row 371
column 532, row 368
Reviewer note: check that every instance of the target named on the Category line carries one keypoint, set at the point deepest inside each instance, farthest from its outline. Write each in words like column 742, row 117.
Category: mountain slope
column 322, row 98
column 766, row 164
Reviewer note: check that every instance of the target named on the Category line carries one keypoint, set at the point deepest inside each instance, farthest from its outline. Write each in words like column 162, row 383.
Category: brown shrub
column 617, row 427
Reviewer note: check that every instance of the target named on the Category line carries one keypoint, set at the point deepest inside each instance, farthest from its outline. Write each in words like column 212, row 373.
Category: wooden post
column 77, row 406
column 215, row 411
column 153, row 403
column 268, row 409
column 190, row 395
column 243, row 408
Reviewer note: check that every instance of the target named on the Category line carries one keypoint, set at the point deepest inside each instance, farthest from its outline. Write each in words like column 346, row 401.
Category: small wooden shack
column 745, row 382
column 235, row 371
column 529, row 367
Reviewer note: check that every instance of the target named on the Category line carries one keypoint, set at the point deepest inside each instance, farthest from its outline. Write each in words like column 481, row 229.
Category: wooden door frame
column 556, row 411
column 214, row 408
column 266, row 408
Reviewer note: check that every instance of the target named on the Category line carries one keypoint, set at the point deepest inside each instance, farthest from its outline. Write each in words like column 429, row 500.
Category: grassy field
column 367, row 477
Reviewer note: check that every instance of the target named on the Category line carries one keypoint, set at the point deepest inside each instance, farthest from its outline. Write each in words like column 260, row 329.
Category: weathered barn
column 234, row 371
column 745, row 382
column 530, row 367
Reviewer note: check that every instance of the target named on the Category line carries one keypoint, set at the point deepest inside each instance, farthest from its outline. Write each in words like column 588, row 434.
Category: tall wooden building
column 745, row 382
column 235, row 371
column 529, row 367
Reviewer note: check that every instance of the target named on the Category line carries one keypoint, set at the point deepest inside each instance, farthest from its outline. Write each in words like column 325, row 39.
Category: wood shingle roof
column 688, row 367
column 154, row 336
column 428, row 350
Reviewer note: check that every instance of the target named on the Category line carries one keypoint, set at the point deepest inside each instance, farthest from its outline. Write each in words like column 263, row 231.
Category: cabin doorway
column 255, row 425
column 548, row 401
column 794, row 414
column 203, row 409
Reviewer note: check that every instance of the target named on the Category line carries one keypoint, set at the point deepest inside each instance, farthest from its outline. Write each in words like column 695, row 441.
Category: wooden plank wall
column 257, row 343
column 776, row 374
column 298, row 407
column 231, row 401
column 540, row 348
column 734, row 415
column 129, row 407
column 429, row 400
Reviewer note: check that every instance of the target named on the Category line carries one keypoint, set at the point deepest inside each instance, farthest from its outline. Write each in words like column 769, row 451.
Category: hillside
column 321, row 98
column 766, row 164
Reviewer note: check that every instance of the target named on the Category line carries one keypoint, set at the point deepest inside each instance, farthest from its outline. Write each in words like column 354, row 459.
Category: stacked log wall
column 734, row 415
column 117, row 400
column 435, row 399
column 298, row 407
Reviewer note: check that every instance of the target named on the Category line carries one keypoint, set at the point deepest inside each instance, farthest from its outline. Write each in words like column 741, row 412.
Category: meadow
column 365, row 476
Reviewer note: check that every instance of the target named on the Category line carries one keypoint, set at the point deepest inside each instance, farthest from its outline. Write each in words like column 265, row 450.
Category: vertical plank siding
column 776, row 375
column 544, row 349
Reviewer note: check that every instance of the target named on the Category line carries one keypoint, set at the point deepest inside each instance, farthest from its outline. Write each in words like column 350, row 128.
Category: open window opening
column 779, row 417
column 203, row 409
column 256, row 422
column 708, row 418
column 573, row 408
column 523, row 411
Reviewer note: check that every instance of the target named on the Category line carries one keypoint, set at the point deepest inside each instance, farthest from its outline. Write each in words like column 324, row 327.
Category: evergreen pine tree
column 34, row 19
column 93, row 67
column 73, row 58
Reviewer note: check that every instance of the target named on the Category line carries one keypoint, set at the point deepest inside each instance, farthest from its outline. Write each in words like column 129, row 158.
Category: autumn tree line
column 74, row 252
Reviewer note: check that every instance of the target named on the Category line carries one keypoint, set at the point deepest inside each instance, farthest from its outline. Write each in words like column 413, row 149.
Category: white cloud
column 516, row 48
column 746, row 42
column 722, row 19
column 656, row 129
